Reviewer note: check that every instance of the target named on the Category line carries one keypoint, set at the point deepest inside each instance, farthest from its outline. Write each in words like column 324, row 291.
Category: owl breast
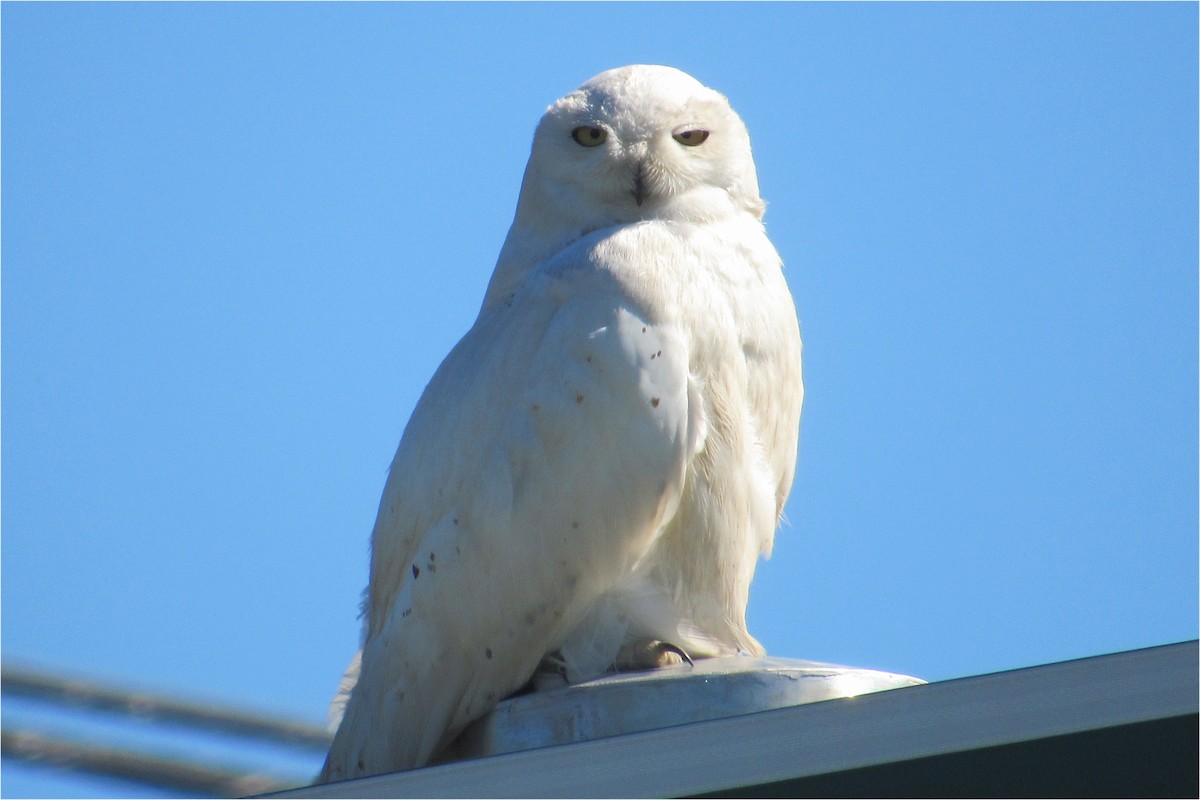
column 723, row 286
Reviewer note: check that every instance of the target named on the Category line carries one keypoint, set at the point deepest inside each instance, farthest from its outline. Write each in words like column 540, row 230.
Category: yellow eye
column 588, row 136
column 691, row 138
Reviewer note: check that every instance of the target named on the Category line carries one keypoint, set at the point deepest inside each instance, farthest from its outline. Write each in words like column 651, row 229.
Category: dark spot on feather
column 433, row 555
column 654, row 402
column 574, row 523
column 405, row 613
column 416, row 571
column 578, row 398
column 455, row 522
column 361, row 765
column 536, row 407
column 589, row 359
column 488, row 652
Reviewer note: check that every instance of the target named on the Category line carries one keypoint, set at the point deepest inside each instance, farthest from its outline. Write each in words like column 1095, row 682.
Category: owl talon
column 651, row 654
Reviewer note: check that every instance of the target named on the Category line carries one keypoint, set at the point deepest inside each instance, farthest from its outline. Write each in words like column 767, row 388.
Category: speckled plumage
column 604, row 456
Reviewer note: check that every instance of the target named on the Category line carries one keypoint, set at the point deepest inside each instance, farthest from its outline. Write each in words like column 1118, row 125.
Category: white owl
column 592, row 473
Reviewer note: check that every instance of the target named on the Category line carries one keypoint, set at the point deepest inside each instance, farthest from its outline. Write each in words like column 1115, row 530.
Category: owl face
column 645, row 142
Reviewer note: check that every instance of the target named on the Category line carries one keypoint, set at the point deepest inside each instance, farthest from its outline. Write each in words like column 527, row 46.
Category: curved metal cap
column 639, row 701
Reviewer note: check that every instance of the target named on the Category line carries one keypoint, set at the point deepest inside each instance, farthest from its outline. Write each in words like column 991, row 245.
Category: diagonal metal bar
column 160, row 708
column 143, row 768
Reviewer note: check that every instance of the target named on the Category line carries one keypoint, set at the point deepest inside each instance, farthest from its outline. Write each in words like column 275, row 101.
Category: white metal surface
column 818, row 738
column 631, row 702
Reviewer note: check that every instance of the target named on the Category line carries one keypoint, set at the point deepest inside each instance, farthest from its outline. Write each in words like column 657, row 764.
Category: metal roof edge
column 818, row 738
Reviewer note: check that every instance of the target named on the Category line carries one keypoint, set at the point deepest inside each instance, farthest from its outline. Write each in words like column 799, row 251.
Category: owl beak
column 639, row 184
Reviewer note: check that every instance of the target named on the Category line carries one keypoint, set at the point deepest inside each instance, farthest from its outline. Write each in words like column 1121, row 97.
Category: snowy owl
column 592, row 473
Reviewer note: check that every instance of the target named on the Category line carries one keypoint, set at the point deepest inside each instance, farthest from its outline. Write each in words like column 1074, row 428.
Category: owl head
column 632, row 144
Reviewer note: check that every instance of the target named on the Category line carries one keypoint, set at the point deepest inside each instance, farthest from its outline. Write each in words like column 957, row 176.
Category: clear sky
column 238, row 239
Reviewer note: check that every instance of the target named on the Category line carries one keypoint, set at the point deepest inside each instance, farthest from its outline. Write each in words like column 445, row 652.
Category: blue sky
column 238, row 239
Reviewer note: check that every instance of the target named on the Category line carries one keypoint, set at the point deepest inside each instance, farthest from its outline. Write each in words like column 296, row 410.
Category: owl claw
column 650, row 654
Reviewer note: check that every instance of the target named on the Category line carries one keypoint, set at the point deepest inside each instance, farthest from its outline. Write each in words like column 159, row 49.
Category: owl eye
column 691, row 138
column 588, row 136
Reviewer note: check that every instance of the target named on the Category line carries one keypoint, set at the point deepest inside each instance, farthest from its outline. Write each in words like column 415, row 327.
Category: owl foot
column 650, row 654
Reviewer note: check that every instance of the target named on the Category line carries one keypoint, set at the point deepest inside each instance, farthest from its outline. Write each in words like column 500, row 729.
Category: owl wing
column 538, row 467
